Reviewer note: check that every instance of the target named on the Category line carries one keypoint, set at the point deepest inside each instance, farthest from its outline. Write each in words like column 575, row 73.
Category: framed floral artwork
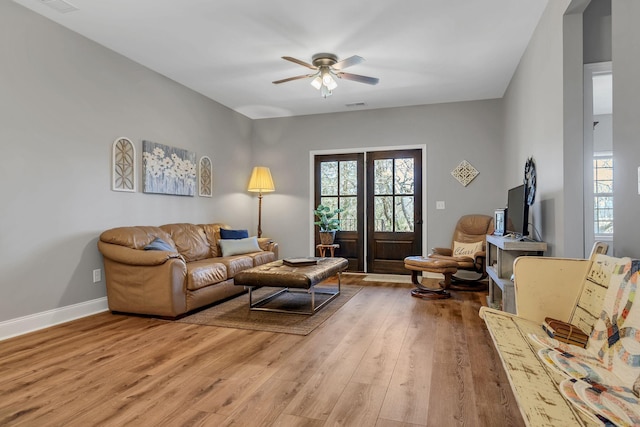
column 168, row 170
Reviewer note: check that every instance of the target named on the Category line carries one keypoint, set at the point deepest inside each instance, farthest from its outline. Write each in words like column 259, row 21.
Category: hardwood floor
column 385, row 359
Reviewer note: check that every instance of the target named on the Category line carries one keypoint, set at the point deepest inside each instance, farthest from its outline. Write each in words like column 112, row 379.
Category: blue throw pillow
column 159, row 245
column 233, row 234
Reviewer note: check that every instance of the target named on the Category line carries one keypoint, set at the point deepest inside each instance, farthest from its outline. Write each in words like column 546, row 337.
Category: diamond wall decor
column 464, row 173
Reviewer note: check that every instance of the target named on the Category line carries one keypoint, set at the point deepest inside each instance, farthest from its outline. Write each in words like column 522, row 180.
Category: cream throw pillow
column 239, row 246
column 466, row 249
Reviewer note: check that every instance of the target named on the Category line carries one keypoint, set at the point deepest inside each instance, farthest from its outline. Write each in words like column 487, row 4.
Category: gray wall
column 534, row 125
column 63, row 101
column 603, row 133
column 626, row 126
column 597, row 32
column 451, row 132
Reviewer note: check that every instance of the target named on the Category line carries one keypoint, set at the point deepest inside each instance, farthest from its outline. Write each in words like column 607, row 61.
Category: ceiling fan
column 326, row 67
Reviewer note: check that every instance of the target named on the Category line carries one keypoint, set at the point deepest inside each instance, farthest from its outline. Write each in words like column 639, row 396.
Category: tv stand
column 501, row 252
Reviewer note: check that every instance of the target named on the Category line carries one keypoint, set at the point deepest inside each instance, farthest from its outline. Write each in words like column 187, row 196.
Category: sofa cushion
column 136, row 237
column 233, row 234
column 190, row 241
column 236, row 264
column 204, row 273
column 212, row 231
column 239, row 246
column 263, row 257
column 159, row 245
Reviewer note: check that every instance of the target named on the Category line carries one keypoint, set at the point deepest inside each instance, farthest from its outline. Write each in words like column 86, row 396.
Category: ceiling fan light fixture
column 329, row 81
column 317, row 82
column 327, row 69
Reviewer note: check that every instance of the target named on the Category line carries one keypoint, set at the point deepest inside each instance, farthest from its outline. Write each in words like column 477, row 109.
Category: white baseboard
column 33, row 322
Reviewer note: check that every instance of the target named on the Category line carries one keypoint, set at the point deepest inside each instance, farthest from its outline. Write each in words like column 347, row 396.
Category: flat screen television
column 517, row 212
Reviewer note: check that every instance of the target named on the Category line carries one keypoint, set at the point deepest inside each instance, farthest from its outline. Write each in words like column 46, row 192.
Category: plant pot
column 327, row 237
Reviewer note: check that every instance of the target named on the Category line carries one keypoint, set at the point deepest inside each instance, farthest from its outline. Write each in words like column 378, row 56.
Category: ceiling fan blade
column 299, row 62
column 352, row 60
column 358, row 78
column 304, row 76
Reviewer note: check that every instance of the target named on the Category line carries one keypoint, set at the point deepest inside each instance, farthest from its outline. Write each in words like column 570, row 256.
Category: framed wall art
column 123, row 165
column 205, row 177
column 464, row 173
column 168, row 170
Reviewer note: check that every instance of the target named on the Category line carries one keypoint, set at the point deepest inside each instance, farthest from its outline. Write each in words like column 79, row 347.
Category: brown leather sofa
column 169, row 283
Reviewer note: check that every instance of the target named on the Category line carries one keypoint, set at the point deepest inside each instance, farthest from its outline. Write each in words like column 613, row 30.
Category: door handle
column 419, row 222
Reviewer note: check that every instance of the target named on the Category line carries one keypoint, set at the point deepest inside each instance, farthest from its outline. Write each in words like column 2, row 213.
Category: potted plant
column 327, row 222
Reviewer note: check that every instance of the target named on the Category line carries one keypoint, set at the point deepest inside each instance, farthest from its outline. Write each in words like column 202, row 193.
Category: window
column 603, row 194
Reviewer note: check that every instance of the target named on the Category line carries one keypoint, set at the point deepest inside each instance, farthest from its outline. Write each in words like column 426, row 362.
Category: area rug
column 235, row 313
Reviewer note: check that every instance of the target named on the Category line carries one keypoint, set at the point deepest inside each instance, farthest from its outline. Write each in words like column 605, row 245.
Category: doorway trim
column 313, row 153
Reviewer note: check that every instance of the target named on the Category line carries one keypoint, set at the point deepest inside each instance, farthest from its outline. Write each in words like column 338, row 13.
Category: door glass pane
column 331, row 202
column 404, row 214
column 339, row 179
column 349, row 178
column 349, row 217
column 403, row 176
column 383, row 176
column 383, row 213
column 329, row 178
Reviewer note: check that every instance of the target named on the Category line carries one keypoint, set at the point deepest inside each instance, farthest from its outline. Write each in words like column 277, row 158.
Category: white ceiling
column 423, row 51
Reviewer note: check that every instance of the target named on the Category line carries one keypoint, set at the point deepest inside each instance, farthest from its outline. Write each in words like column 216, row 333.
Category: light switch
column 638, row 179
column 440, row 203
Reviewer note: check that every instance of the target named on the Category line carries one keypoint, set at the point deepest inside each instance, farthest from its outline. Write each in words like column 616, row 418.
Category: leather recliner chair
column 469, row 229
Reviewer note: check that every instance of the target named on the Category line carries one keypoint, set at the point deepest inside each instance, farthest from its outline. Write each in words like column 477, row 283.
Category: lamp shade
column 261, row 181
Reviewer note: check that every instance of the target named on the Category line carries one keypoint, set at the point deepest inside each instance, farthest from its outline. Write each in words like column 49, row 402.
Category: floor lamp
column 260, row 182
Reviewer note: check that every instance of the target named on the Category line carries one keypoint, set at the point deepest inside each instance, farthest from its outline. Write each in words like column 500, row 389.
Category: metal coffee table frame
column 259, row 305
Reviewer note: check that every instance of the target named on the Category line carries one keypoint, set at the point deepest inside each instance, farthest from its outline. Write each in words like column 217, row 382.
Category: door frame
column 313, row 153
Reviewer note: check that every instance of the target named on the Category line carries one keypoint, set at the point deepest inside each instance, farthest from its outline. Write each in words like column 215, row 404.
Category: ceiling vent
column 59, row 5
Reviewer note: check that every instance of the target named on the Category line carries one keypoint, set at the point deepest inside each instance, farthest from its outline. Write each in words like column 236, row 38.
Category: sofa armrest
column 442, row 251
column 548, row 287
column 125, row 255
column 267, row 244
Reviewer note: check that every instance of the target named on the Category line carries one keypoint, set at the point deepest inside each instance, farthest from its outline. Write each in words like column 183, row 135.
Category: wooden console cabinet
column 501, row 252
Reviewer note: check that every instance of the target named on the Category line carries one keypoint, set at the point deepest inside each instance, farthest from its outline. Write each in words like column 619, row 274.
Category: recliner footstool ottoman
column 432, row 265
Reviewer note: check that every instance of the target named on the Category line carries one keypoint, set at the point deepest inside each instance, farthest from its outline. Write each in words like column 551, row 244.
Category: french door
column 381, row 222
column 339, row 183
column 394, row 209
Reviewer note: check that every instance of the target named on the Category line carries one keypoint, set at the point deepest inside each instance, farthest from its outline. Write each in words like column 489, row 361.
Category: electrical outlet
column 440, row 204
column 97, row 275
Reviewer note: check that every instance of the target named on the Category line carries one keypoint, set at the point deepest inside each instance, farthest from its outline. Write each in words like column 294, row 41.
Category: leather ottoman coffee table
column 291, row 279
